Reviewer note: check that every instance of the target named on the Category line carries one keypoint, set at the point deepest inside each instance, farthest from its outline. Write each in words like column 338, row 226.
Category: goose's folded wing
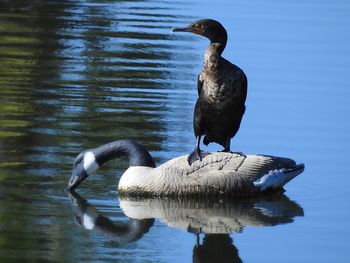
column 218, row 173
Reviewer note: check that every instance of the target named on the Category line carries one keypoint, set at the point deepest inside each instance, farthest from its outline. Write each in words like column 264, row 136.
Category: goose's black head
column 84, row 165
column 208, row 28
column 87, row 162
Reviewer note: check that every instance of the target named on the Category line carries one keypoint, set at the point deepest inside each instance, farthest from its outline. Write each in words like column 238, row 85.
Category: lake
column 78, row 74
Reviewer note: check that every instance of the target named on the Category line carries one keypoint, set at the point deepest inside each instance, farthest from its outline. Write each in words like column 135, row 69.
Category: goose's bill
column 76, row 179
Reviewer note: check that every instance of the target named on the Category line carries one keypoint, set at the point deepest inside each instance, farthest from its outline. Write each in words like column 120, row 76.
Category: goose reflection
column 211, row 219
column 90, row 218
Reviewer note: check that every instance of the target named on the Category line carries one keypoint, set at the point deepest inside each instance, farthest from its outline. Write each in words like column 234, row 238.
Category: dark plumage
column 222, row 91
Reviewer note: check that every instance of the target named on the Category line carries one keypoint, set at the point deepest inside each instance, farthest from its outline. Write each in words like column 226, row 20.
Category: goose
column 218, row 174
column 222, row 91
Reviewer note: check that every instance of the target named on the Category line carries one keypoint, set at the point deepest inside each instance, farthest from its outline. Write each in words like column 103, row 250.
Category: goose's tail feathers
column 276, row 179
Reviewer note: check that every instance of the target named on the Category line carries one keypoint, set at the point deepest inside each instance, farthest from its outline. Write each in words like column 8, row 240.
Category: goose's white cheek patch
column 90, row 164
column 88, row 222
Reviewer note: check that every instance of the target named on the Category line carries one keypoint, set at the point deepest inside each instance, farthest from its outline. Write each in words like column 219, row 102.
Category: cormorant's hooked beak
column 78, row 176
column 181, row 29
column 189, row 28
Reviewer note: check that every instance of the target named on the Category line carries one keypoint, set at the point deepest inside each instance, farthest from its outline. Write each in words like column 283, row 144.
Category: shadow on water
column 213, row 219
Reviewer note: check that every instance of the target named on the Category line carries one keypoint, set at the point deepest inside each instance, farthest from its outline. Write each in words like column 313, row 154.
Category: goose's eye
column 78, row 161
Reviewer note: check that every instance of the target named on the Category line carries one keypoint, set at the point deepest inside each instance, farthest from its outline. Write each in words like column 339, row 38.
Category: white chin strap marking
column 88, row 222
column 90, row 164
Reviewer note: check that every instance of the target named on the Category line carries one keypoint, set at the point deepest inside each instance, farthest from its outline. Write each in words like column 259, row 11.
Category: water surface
column 77, row 74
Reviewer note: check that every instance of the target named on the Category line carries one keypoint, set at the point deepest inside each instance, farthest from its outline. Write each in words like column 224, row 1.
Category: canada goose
column 222, row 90
column 220, row 173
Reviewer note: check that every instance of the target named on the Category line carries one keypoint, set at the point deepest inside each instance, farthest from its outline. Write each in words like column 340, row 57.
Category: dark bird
column 222, row 91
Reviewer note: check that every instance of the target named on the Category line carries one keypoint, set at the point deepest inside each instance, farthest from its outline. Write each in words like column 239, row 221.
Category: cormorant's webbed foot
column 229, row 151
column 195, row 155
column 227, row 146
column 226, row 150
column 238, row 153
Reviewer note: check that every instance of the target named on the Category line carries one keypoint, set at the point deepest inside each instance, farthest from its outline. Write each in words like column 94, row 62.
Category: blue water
column 77, row 74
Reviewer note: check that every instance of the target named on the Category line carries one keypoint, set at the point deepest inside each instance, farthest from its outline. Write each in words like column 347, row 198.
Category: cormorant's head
column 208, row 28
column 84, row 165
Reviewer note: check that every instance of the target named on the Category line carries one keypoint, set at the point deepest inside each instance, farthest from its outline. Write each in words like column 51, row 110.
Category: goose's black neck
column 136, row 153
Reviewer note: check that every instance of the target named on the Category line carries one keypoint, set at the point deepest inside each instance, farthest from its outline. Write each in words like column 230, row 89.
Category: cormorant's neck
column 136, row 153
column 215, row 49
column 219, row 47
column 219, row 39
column 212, row 58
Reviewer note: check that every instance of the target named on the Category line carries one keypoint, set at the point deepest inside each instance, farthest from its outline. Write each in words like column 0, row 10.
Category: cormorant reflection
column 216, row 248
column 214, row 219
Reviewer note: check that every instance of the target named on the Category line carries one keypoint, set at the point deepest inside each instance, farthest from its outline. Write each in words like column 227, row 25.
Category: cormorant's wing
column 244, row 84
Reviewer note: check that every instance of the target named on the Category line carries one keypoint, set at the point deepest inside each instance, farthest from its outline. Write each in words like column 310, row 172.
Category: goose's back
column 217, row 174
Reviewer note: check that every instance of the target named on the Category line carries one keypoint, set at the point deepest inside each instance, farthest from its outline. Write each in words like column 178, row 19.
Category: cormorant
column 222, row 91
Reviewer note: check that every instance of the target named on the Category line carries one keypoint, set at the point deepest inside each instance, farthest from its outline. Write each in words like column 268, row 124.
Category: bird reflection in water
column 90, row 218
column 212, row 218
column 216, row 248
